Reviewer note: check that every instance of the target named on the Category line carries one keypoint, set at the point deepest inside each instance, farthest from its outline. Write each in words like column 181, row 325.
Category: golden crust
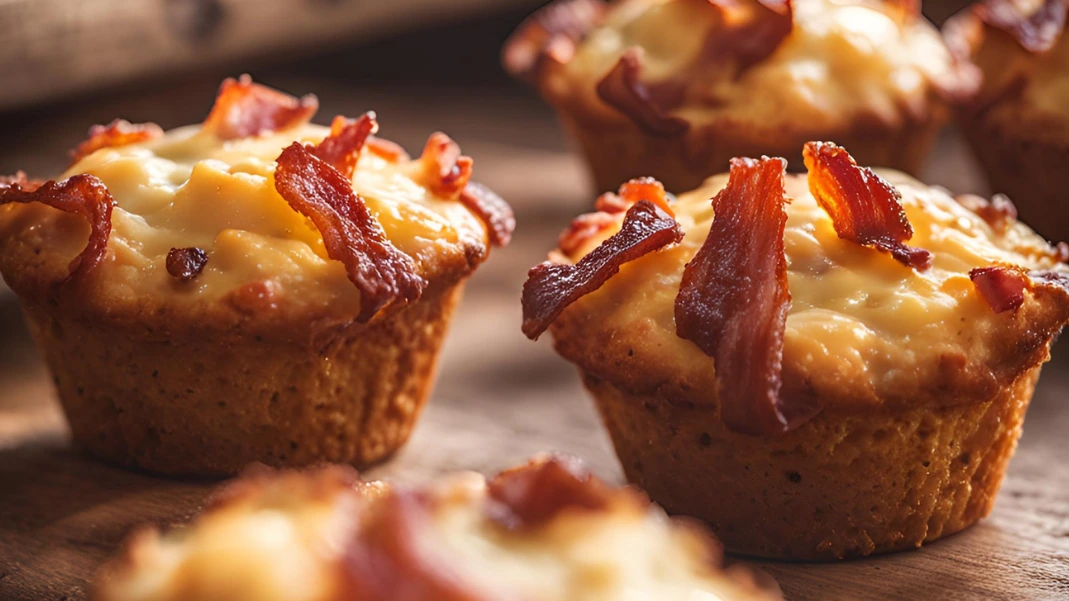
column 327, row 528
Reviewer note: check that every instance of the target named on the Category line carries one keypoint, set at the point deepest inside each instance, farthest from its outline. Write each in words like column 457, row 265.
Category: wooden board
column 499, row 399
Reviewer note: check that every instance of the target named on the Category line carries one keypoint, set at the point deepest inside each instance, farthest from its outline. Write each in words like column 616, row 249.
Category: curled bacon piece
column 645, row 188
column 446, row 170
column 342, row 147
column 117, row 133
column 607, row 206
column 551, row 33
column 749, row 31
column 583, row 228
column 492, row 210
column 1036, row 26
column 386, row 149
column 863, row 207
column 243, row 109
column 531, row 495
column 733, row 299
column 622, row 89
column 551, row 287
column 83, row 195
column 351, row 234
column 186, row 263
column 1002, row 287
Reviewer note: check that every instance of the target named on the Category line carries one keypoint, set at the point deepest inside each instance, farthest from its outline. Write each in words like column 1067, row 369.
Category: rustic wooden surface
column 499, row 398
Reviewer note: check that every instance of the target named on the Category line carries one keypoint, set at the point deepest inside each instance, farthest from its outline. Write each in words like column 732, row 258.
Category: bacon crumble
column 446, row 171
column 243, row 109
column 750, row 31
column 623, row 90
column 1000, row 213
column 83, row 195
column 117, row 133
column 550, row 34
column 863, row 207
column 186, row 263
column 492, row 210
column 1002, row 287
column 532, row 495
column 351, row 234
column 551, row 287
column 733, row 299
column 341, row 149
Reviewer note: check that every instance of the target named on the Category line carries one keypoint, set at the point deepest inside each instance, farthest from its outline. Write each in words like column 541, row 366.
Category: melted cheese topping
column 841, row 60
column 190, row 188
column 854, row 310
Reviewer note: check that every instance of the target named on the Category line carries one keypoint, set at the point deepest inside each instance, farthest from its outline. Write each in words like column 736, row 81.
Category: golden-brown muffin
column 545, row 531
column 673, row 89
column 255, row 288
column 1018, row 122
column 791, row 370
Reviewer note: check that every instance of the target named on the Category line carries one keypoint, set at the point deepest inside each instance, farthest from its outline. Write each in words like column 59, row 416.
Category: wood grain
column 499, row 399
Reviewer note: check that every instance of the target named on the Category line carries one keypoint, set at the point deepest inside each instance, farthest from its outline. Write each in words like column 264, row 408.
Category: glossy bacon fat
column 351, row 234
column 863, row 207
column 83, row 195
column 116, row 133
column 243, row 109
column 733, row 299
column 551, row 287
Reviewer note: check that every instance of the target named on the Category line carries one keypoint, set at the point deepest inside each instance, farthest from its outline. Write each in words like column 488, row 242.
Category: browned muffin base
column 187, row 404
column 838, row 486
column 1032, row 172
column 618, row 153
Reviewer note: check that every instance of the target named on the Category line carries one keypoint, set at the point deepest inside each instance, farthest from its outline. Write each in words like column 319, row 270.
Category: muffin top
column 1021, row 49
column 672, row 64
column 811, row 275
column 544, row 531
column 253, row 213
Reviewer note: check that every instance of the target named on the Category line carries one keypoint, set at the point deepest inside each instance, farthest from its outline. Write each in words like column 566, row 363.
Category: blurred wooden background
column 500, row 397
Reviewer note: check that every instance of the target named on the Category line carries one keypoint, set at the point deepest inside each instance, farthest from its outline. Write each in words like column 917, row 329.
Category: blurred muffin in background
column 1018, row 121
column 673, row 89
column 253, row 288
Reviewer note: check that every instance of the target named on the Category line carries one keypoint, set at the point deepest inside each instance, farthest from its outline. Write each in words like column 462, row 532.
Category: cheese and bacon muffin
column 253, row 288
column 674, row 89
column 545, row 531
column 1018, row 122
column 771, row 356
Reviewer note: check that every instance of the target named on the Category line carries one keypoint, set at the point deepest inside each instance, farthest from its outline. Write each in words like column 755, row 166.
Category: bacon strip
column 83, row 195
column 750, row 31
column 733, row 299
column 243, row 109
column 863, row 207
column 607, row 206
column 386, row 149
column 551, row 33
column 551, row 287
column 186, row 263
column 381, row 272
column 446, row 171
column 1002, row 287
column 117, row 133
column 583, row 228
column 1036, row 31
column 347, row 137
column 532, row 495
column 492, row 210
column 645, row 188
column 623, row 90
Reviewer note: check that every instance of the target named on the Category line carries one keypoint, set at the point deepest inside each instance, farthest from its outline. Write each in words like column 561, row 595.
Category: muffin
column 545, row 531
column 673, row 89
column 1018, row 122
column 819, row 365
column 253, row 288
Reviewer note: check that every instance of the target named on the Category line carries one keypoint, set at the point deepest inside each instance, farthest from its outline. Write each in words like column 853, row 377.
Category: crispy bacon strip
column 583, row 228
column 83, row 195
column 607, row 206
column 186, row 263
column 243, row 109
column 117, row 133
column 347, row 137
column 351, row 234
column 1036, row 31
column 733, row 299
column 750, row 31
column 864, row 208
column 446, row 171
column 551, row 33
column 623, row 90
column 492, row 210
column 1002, row 287
column 645, row 188
column 532, row 495
column 551, row 287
